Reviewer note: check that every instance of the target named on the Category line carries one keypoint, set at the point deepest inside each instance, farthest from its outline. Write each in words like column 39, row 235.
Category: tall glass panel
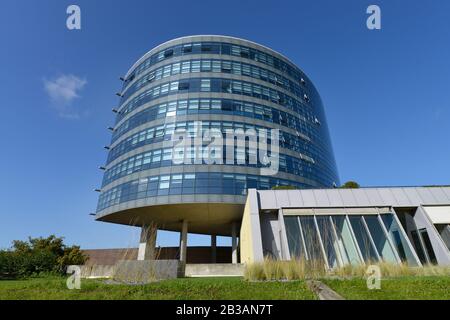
column 363, row 239
column 379, row 238
column 444, row 231
column 294, row 237
column 418, row 246
column 397, row 238
column 347, row 245
column 428, row 245
column 312, row 242
column 329, row 240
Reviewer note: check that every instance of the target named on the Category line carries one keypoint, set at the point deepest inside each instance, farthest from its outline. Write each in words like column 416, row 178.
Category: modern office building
column 338, row 227
column 215, row 82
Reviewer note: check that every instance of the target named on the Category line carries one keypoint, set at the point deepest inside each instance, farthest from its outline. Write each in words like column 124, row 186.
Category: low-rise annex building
column 348, row 226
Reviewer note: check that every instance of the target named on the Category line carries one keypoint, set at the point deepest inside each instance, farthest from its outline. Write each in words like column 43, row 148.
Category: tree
column 350, row 185
column 71, row 256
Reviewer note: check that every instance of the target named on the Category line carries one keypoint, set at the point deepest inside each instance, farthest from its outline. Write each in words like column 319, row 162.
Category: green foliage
column 284, row 188
column 38, row 256
column 350, row 185
column 9, row 265
column 71, row 256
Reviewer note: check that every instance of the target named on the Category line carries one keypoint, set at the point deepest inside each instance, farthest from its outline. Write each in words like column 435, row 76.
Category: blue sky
column 386, row 94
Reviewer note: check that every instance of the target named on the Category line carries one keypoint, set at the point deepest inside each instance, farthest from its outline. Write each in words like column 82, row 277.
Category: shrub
column 38, row 256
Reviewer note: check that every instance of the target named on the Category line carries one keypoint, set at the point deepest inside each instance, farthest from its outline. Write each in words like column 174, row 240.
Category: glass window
column 236, row 68
column 418, row 246
column 246, row 70
column 347, row 246
column 294, row 238
column 187, row 48
column 205, row 85
column 379, row 238
column 158, row 74
column 397, row 238
column 165, row 88
column 164, row 182
column 216, row 104
column 156, row 156
column 186, row 67
column 183, row 86
column 168, row 53
column 226, row 86
column 428, row 245
column 237, row 87
column 235, row 50
column 206, row 65
column 193, row 104
column 159, row 132
column 247, row 88
column 176, row 68
column 206, row 47
column 312, row 241
column 241, row 185
column 226, row 66
column 227, row 105
column 166, row 71
column 329, row 240
column 363, row 239
column 162, row 109
column 444, row 231
column 195, row 66
column 147, row 158
column 174, row 86
column 167, row 154
column 216, row 66
column 204, row 104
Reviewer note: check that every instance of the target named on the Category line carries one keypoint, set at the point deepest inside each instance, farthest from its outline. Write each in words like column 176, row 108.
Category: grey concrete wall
column 97, row 271
column 214, row 270
column 147, row 270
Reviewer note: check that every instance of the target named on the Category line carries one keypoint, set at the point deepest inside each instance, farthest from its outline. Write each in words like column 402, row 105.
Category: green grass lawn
column 404, row 288
column 421, row 288
column 188, row 288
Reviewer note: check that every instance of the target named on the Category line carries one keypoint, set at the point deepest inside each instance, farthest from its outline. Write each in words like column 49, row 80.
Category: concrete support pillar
column 183, row 241
column 213, row 248
column 234, row 243
column 147, row 243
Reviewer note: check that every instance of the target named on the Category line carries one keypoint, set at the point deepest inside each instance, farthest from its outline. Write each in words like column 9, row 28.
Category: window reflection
column 363, row 239
column 347, row 245
column 379, row 238
column 398, row 238
column 294, row 238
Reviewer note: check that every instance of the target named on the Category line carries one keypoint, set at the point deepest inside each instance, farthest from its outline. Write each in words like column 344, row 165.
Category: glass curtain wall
column 339, row 240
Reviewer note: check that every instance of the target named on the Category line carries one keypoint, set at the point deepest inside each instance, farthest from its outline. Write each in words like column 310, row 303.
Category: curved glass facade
column 222, row 83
